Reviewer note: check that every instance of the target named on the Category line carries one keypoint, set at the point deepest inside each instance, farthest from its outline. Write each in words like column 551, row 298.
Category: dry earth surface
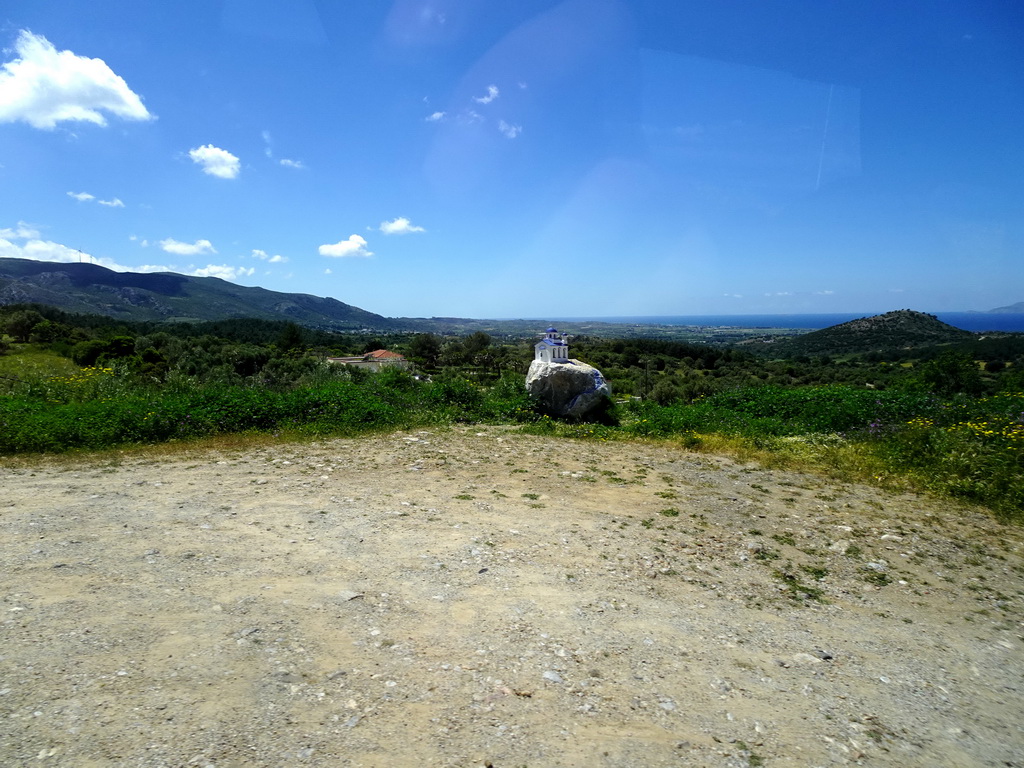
column 479, row 597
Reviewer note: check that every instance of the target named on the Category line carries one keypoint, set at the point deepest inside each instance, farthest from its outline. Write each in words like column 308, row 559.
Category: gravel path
column 477, row 597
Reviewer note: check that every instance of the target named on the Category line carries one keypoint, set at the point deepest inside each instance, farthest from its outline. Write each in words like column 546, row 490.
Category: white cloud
column 353, row 246
column 510, row 131
column 492, row 94
column 292, row 163
column 115, row 203
column 22, row 231
column 223, row 271
column 328, row 271
column 264, row 256
column 215, row 161
column 268, row 148
column 81, row 196
column 39, row 250
column 399, row 226
column 823, row 293
column 187, row 249
column 44, row 86
column 435, row 117
column 47, row 250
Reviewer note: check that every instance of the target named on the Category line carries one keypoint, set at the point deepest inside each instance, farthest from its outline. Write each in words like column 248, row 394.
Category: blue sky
column 526, row 158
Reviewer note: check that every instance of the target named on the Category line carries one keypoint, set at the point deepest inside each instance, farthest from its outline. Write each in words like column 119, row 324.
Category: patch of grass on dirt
column 797, row 590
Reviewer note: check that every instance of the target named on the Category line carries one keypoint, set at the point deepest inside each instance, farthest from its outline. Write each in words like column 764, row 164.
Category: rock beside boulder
column 572, row 389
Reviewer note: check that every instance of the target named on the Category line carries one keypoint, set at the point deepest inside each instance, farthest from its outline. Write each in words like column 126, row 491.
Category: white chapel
column 553, row 348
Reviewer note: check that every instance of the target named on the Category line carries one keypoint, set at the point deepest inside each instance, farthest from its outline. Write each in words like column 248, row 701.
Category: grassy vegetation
column 938, row 422
column 100, row 408
column 966, row 447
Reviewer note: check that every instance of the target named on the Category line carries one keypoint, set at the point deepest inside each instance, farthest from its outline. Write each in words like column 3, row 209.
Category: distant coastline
column 969, row 321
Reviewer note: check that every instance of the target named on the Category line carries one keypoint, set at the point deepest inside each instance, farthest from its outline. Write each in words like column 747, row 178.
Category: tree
column 290, row 338
column 452, row 354
column 949, row 374
column 665, row 391
column 424, row 349
column 372, row 345
column 47, row 331
column 476, row 343
column 20, row 324
column 86, row 353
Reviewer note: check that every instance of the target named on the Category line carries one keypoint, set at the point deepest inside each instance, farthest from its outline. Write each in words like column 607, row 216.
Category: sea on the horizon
column 968, row 321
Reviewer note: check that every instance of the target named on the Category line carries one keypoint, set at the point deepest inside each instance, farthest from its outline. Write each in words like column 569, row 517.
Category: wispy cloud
column 215, row 161
column 83, row 197
column 508, row 130
column 399, row 226
column 435, row 117
column 268, row 150
column 355, row 245
column 187, row 249
column 44, row 86
column 492, row 94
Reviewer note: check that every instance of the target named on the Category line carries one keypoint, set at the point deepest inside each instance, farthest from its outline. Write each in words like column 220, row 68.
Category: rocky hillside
column 901, row 329
column 91, row 289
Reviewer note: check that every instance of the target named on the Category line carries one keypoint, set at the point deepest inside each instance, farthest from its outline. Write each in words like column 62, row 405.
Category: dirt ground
column 478, row 597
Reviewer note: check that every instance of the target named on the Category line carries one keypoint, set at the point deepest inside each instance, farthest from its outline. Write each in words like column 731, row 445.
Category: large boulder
column 571, row 389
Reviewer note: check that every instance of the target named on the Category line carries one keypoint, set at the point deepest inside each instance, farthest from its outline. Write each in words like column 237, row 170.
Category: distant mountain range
column 1013, row 308
column 91, row 289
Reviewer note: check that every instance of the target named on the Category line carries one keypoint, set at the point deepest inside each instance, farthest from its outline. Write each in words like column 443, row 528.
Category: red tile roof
column 383, row 354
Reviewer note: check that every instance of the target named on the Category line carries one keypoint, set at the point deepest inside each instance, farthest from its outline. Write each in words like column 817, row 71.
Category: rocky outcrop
column 573, row 389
